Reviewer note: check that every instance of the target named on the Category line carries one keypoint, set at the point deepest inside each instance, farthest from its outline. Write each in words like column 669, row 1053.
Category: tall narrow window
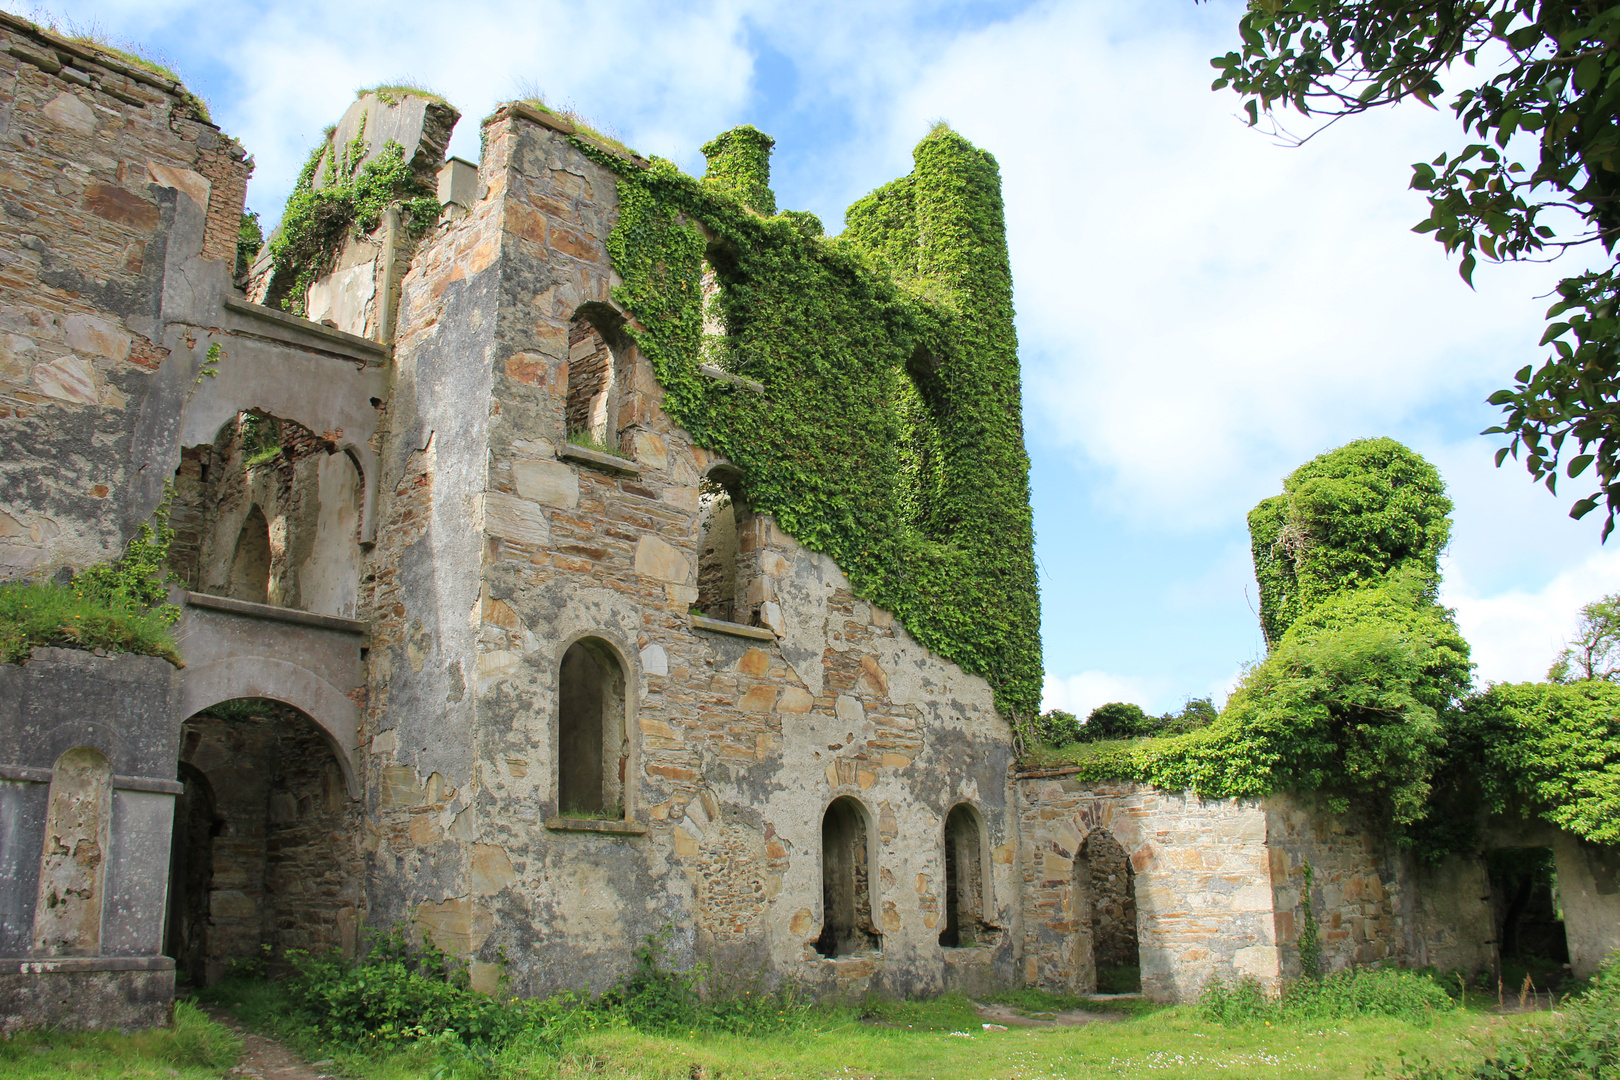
column 846, row 881
column 73, row 866
column 964, row 879
column 730, row 586
column 591, row 750
column 250, row 565
column 591, row 379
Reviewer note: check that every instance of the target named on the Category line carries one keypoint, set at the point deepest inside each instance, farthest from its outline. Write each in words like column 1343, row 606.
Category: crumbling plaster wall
column 739, row 740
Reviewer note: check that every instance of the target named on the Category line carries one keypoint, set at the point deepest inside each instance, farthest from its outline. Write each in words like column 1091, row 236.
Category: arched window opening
column 250, row 563
column 73, row 867
column 964, row 879
column 730, row 586
column 270, row 513
column 1112, row 902
column 592, row 754
column 846, row 881
column 922, row 479
column 265, row 849
column 592, row 383
column 191, row 876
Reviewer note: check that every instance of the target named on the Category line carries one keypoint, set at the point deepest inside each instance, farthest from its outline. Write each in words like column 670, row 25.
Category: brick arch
column 330, row 709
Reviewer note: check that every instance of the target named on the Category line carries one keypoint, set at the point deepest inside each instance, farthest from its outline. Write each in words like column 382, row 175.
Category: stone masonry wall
column 1203, row 884
column 95, row 160
column 739, row 738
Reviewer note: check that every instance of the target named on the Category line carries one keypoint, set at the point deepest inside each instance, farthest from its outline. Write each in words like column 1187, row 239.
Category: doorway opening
column 846, row 881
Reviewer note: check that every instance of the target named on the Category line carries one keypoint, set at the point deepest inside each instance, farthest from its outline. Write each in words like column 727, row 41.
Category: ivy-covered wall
column 889, row 433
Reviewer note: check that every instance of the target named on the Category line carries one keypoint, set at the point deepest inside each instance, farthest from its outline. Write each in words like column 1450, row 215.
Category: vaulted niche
column 846, row 881
column 964, row 878
column 592, row 754
column 74, row 865
column 728, row 578
column 250, row 563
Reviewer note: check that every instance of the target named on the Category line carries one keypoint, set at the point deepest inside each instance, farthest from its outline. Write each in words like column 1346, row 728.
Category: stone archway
column 267, row 853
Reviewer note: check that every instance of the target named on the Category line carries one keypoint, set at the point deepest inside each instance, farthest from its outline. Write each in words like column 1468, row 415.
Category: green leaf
column 1577, row 465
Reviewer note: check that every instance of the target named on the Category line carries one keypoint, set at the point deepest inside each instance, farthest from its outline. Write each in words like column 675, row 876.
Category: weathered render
column 449, row 666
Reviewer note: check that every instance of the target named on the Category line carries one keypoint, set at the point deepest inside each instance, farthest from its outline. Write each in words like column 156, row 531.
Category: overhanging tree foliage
column 1547, row 70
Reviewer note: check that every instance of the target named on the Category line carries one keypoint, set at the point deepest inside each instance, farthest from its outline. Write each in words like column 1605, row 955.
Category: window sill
column 720, row 626
column 597, row 460
column 595, row 825
column 710, row 371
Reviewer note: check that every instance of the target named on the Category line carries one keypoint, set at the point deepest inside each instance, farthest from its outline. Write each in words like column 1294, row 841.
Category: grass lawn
column 941, row 1039
column 196, row 1048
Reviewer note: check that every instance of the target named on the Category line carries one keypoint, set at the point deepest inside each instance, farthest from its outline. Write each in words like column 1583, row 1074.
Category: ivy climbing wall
column 889, row 433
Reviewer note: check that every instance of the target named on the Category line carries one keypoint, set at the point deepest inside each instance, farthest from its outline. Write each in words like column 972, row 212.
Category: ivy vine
column 889, row 435
column 348, row 197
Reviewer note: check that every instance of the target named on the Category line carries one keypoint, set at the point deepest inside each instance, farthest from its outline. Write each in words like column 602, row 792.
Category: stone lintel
column 280, row 614
column 710, row 371
column 62, row 965
column 720, row 626
column 612, row 463
column 257, row 320
column 595, row 825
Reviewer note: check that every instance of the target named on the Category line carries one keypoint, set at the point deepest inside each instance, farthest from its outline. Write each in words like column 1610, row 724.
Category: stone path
column 263, row 1058
column 1010, row 1017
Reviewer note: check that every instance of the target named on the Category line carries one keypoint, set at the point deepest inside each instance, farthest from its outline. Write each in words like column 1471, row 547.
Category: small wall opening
column 266, row 849
column 592, row 753
column 592, row 383
column 73, row 867
column 191, row 877
column 730, row 587
column 250, row 563
column 1111, row 896
column 1529, row 916
column 846, row 881
column 964, row 879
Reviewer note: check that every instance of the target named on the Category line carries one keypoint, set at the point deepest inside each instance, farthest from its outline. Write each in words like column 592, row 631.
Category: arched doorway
column 592, row 754
column 267, row 846
column 1106, row 881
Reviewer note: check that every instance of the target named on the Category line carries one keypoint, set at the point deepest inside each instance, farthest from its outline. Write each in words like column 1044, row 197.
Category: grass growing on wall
column 118, row 606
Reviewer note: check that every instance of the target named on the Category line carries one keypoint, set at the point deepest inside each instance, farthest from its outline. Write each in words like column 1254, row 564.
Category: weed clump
column 1388, row 992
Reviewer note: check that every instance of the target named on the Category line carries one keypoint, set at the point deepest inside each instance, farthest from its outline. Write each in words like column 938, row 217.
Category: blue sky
column 1199, row 308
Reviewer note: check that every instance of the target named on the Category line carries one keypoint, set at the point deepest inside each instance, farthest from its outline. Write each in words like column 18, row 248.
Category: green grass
column 194, row 1049
column 51, row 614
column 939, row 1039
column 392, row 92
column 536, row 100
column 585, row 439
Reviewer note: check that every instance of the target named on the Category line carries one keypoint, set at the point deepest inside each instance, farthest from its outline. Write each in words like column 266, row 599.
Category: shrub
column 1583, row 1044
column 397, row 993
column 119, row 606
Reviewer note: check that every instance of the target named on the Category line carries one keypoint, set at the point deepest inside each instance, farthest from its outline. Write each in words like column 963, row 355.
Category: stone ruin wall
column 106, row 175
column 738, row 737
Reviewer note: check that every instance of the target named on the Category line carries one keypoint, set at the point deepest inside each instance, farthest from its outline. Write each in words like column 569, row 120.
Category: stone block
column 657, row 559
column 512, row 518
column 550, row 482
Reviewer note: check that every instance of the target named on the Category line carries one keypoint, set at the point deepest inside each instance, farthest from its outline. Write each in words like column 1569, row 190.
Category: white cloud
column 1079, row 694
column 1515, row 634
